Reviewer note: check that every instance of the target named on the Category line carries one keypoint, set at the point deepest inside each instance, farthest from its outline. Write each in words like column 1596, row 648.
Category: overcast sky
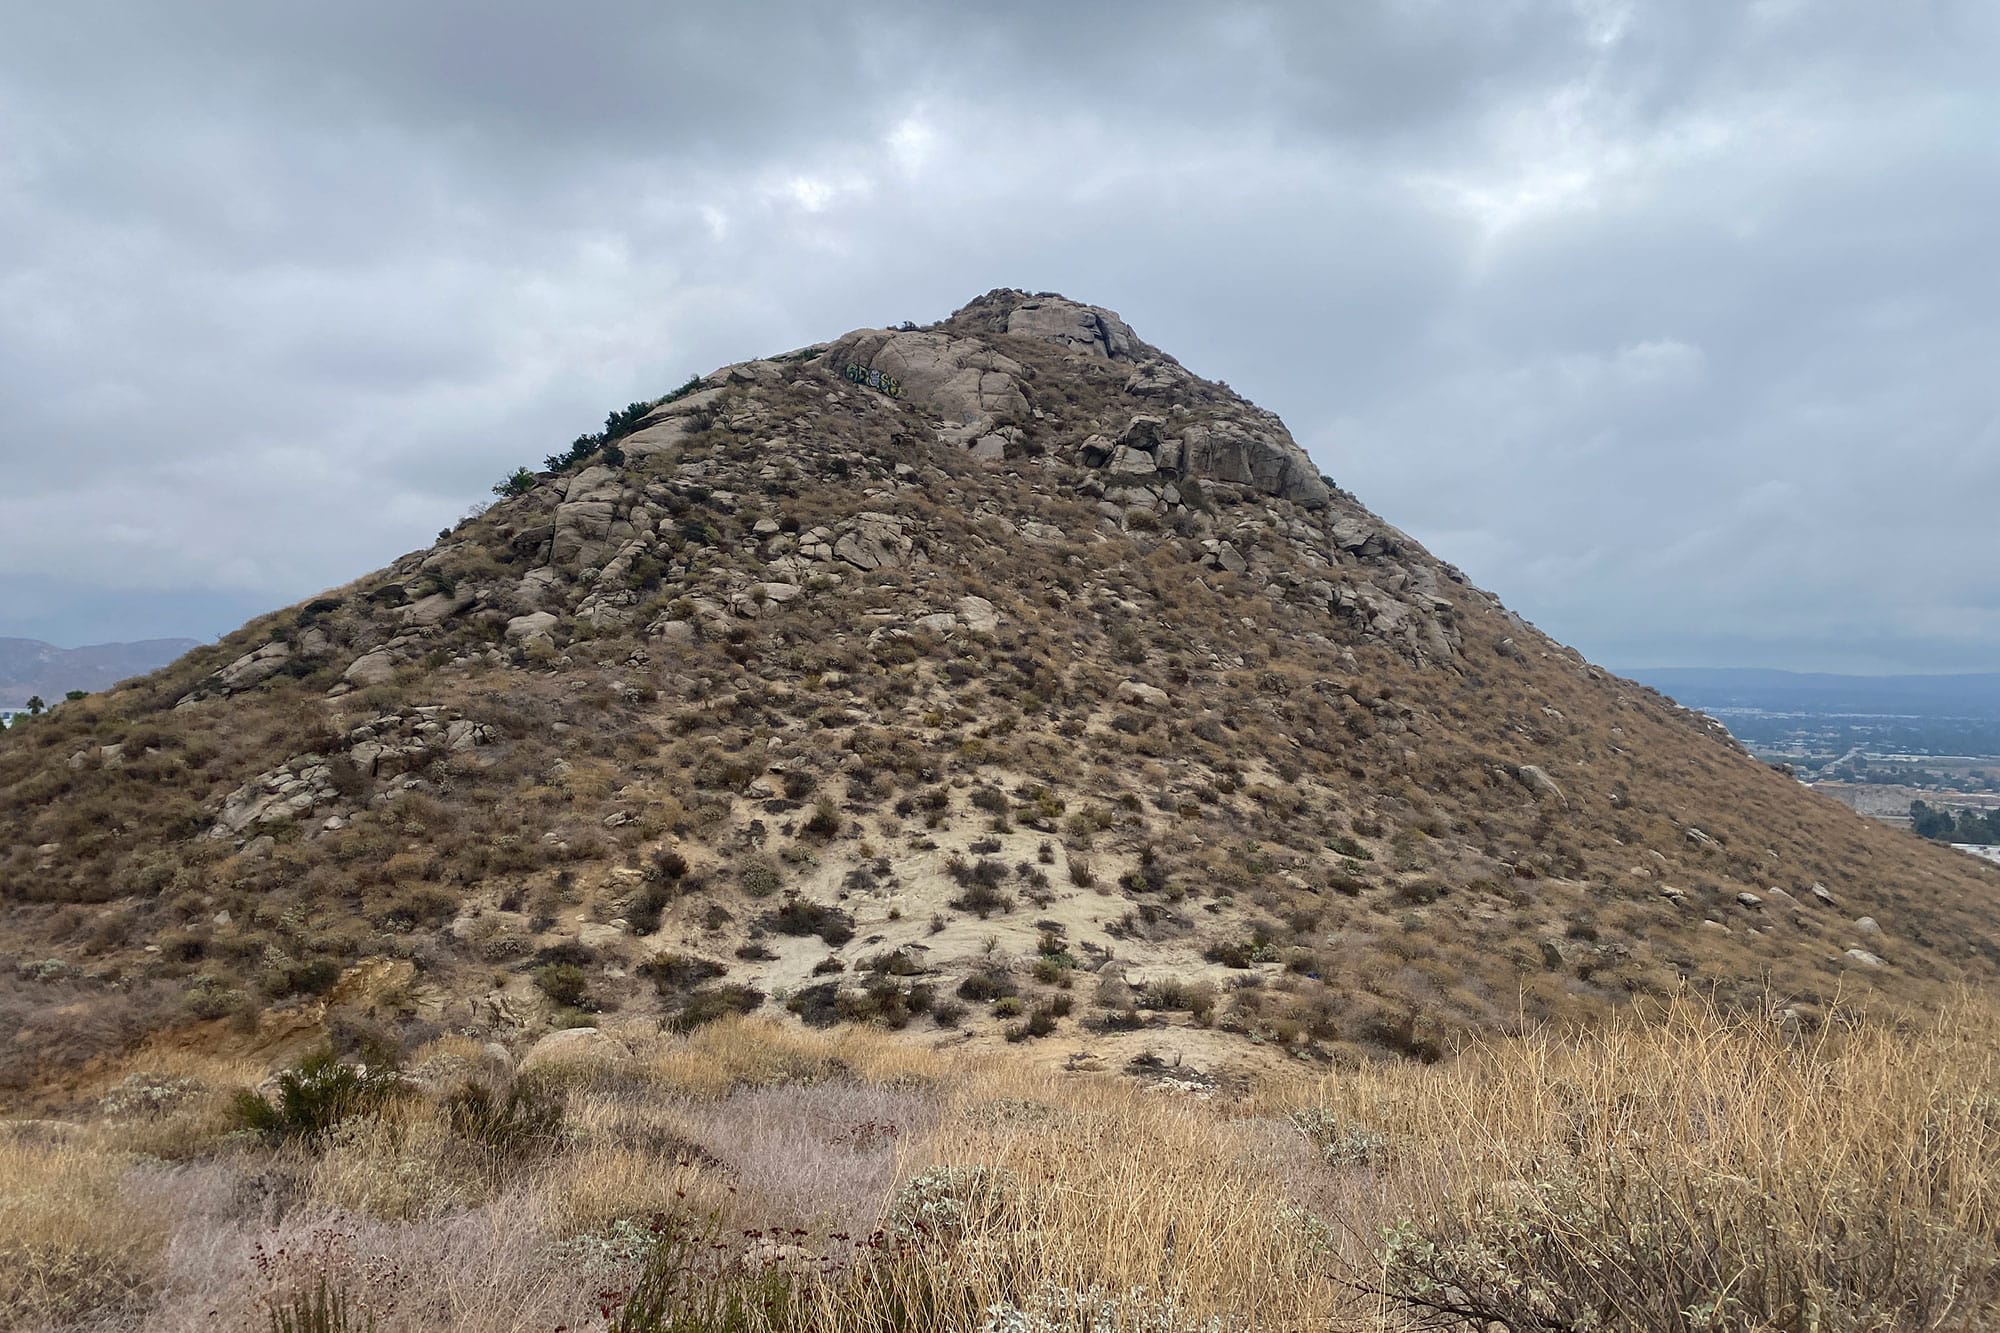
column 1673, row 324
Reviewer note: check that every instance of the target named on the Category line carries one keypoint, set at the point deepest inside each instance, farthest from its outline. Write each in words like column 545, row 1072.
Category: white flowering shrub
column 1340, row 1142
column 945, row 1201
column 624, row 1243
column 1627, row 1241
column 144, row 1095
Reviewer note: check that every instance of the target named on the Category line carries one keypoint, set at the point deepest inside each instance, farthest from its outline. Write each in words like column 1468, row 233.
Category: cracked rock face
column 592, row 519
column 311, row 785
column 984, row 395
column 1269, row 460
column 1081, row 328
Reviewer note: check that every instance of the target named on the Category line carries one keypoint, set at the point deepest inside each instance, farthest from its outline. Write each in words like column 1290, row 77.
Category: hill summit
column 994, row 679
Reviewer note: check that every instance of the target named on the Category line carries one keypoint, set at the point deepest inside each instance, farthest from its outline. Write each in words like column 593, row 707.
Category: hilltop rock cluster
column 983, row 399
column 582, row 539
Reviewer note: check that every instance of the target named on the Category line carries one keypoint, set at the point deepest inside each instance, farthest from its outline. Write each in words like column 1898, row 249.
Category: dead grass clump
column 1698, row 1170
column 1125, row 1208
column 71, row 1241
column 761, row 1052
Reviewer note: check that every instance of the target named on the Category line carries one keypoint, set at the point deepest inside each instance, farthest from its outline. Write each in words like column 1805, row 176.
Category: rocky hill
column 999, row 679
column 31, row 669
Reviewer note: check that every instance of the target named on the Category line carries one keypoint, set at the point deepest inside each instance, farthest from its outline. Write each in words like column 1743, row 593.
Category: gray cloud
column 1668, row 322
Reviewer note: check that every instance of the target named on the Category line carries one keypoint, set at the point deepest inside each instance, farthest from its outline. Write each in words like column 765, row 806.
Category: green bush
column 707, row 1005
column 802, row 916
column 565, row 984
column 825, row 821
column 518, row 482
column 1348, row 847
column 314, row 1096
column 313, row 976
column 1341, row 1142
column 987, row 984
column 759, row 876
column 686, row 387
column 675, row 973
column 1198, row 997
column 983, row 900
column 1041, row 1021
column 646, row 907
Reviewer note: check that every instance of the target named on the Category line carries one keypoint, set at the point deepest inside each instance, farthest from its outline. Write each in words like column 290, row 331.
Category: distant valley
column 1877, row 743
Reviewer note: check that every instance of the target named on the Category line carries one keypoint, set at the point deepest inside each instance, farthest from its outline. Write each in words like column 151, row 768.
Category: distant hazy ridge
column 1966, row 696
column 29, row 667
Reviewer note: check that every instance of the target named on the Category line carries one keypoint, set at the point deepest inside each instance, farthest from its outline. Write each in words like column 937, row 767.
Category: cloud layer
column 1670, row 323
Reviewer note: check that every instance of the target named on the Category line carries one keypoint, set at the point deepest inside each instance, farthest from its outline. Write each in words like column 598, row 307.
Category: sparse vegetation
column 766, row 1177
column 566, row 985
column 721, row 766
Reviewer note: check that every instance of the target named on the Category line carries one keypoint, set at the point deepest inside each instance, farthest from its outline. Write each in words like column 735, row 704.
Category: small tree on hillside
column 519, row 482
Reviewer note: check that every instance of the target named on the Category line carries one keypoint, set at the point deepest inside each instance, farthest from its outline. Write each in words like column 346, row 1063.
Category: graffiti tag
column 875, row 379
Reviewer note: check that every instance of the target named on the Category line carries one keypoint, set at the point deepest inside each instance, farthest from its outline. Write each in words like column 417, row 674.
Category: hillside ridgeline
column 994, row 680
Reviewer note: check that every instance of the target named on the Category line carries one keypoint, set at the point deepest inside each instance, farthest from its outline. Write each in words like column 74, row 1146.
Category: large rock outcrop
column 971, row 372
column 1075, row 327
column 965, row 381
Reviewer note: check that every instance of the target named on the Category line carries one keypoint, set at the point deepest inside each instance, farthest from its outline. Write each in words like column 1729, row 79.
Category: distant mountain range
column 1963, row 696
column 29, row 667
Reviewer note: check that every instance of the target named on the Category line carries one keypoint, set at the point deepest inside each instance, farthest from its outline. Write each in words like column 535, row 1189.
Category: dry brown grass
column 759, row 1052
column 1144, row 1198
column 1675, row 1161
column 71, row 1240
column 1687, row 1165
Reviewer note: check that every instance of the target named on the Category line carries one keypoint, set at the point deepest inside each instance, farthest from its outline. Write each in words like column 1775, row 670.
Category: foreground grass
column 1677, row 1170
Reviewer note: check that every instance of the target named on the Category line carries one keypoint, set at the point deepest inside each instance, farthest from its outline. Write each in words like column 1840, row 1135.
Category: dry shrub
column 400, row 1163
column 58, row 1025
column 174, row 1118
column 695, row 1280
column 822, row 1156
column 1056, row 1205
column 491, row 1268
